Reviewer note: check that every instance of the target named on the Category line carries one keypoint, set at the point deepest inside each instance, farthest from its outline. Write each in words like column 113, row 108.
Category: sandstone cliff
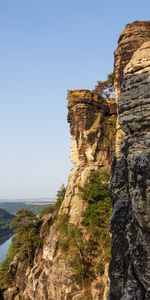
column 130, row 225
column 93, row 143
column 92, row 128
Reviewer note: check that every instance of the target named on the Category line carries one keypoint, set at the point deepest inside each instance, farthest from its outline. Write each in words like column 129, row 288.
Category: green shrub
column 96, row 187
column 87, row 248
column 24, row 244
column 96, row 216
column 70, row 235
column 72, row 245
column 60, row 196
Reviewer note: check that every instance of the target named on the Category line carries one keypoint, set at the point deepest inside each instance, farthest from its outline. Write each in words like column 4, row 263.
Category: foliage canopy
column 24, row 244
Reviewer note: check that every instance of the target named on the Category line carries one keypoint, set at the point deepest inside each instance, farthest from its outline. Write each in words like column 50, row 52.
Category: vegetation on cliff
column 96, row 217
column 60, row 196
column 53, row 211
column 27, row 239
column 106, row 88
column 24, row 244
column 86, row 247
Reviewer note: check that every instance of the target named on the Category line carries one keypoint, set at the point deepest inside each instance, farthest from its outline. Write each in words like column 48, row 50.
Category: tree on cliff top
column 106, row 88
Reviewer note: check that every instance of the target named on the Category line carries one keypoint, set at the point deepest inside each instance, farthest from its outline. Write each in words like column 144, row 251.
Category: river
column 4, row 248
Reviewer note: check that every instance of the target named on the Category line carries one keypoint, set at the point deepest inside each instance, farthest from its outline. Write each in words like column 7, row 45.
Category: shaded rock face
column 130, row 183
column 92, row 127
column 134, row 35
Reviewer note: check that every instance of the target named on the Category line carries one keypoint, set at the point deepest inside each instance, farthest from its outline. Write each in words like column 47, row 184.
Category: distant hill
column 26, row 200
column 14, row 207
column 5, row 217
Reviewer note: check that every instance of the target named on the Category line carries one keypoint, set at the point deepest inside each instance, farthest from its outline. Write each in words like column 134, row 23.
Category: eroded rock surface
column 92, row 128
column 130, row 183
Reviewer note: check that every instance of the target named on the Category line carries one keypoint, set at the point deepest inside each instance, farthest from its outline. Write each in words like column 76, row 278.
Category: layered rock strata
column 134, row 35
column 92, row 127
column 130, row 225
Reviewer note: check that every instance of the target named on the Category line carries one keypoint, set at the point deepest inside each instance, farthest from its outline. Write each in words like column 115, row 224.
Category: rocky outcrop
column 130, row 262
column 92, row 128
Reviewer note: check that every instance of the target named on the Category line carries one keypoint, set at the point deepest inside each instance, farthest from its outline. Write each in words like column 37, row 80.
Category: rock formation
column 130, row 224
column 92, row 127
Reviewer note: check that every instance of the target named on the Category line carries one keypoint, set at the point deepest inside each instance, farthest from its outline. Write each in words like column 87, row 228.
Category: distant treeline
column 14, row 207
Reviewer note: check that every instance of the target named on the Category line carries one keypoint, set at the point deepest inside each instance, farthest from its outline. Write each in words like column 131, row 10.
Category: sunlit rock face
column 130, row 183
column 92, row 128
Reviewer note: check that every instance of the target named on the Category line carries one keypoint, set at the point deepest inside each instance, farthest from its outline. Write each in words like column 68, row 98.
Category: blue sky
column 46, row 48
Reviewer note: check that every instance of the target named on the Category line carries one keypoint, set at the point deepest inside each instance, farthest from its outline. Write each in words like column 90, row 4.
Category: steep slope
column 130, row 263
column 92, row 127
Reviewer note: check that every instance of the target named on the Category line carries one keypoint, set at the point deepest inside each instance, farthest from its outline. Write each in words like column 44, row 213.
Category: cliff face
column 130, row 225
column 134, row 35
column 92, row 128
